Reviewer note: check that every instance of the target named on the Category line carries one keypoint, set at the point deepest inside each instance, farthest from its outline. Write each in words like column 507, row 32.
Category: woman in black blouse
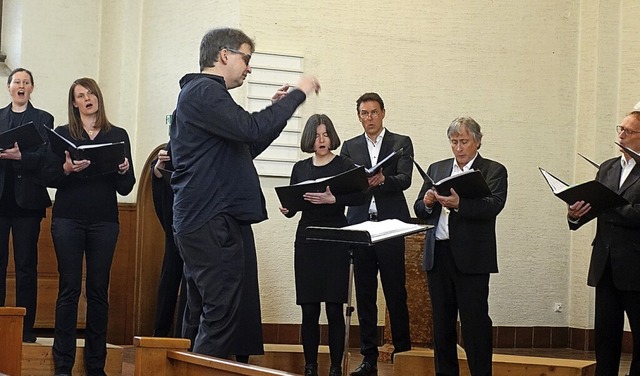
column 85, row 225
column 23, row 198
column 321, row 269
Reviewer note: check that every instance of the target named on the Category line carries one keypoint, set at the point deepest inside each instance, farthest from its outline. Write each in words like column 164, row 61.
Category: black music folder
column 351, row 181
column 26, row 135
column 467, row 184
column 599, row 196
column 365, row 233
column 632, row 153
column 383, row 163
column 105, row 158
column 594, row 164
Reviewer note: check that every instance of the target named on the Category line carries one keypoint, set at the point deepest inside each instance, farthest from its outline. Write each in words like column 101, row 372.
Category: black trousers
column 25, row 232
column 388, row 258
column 214, row 269
column 95, row 242
column 451, row 292
column 168, row 289
column 611, row 304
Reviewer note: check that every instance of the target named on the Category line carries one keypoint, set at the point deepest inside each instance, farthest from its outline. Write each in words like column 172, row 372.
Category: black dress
column 322, row 268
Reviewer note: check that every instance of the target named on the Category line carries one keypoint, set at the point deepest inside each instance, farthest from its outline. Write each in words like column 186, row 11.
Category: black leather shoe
column 366, row 369
column 335, row 371
column 29, row 338
column 311, row 370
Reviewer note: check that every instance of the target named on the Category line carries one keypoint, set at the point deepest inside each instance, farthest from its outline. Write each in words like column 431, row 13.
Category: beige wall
column 545, row 79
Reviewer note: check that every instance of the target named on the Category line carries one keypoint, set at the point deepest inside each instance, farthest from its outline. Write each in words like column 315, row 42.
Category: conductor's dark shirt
column 213, row 144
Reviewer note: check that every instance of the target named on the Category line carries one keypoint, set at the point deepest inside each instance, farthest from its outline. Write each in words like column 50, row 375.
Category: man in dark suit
column 461, row 253
column 385, row 201
column 615, row 260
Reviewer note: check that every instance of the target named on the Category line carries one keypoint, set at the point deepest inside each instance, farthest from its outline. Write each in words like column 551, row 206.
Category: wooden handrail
column 168, row 357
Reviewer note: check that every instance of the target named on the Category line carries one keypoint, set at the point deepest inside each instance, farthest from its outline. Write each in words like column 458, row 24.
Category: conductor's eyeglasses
column 627, row 131
column 245, row 57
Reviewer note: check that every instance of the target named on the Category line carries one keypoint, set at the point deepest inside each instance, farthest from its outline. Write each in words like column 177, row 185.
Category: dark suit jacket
column 618, row 230
column 390, row 199
column 472, row 229
column 29, row 187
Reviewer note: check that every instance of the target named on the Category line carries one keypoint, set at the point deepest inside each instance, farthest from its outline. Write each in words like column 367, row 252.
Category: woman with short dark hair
column 321, row 269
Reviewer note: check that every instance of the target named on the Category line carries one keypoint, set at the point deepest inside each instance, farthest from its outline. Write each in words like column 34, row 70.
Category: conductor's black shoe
column 29, row 337
column 366, row 369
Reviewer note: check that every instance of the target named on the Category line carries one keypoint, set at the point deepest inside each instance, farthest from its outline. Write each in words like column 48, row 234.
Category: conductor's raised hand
column 280, row 93
column 450, row 202
column 309, row 84
column 578, row 209
column 325, row 197
column 71, row 165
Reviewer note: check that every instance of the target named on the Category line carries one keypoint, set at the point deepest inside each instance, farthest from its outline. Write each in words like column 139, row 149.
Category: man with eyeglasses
column 461, row 254
column 385, row 201
column 218, row 195
column 615, row 259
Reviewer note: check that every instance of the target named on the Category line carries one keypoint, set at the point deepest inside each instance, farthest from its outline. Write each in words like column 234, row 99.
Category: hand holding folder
column 105, row 158
column 26, row 135
column 292, row 196
column 593, row 192
column 383, row 163
column 467, row 184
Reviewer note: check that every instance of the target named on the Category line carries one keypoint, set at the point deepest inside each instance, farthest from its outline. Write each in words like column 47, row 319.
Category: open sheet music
column 593, row 192
column 367, row 233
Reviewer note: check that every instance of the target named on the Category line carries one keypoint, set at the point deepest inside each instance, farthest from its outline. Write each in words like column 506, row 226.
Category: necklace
column 91, row 129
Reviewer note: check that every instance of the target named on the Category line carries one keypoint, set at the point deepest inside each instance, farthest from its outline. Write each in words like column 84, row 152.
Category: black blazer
column 472, row 229
column 618, row 230
column 29, row 187
column 390, row 199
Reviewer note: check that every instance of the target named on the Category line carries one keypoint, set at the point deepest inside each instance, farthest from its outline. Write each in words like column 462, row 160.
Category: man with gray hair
column 615, row 258
column 461, row 253
column 218, row 195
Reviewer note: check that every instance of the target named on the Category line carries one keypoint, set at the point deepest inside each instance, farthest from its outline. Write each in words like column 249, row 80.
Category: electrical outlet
column 558, row 307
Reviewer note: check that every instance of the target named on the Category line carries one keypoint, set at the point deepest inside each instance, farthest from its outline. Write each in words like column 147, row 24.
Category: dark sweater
column 213, row 144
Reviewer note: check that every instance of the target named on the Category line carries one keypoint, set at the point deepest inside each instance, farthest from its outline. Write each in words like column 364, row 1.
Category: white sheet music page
column 387, row 229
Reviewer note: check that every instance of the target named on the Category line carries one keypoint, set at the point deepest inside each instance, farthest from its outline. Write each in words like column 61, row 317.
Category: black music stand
column 363, row 234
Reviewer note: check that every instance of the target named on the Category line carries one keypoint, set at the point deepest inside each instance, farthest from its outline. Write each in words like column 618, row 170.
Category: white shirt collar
column 378, row 139
column 466, row 167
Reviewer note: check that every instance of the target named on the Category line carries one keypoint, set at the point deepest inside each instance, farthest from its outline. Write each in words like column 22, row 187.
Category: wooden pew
column 420, row 362
column 169, row 357
column 11, row 339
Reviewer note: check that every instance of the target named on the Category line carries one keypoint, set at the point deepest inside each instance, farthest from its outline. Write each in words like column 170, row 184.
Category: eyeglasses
column 245, row 57
column 365, row 114
column 627, row 131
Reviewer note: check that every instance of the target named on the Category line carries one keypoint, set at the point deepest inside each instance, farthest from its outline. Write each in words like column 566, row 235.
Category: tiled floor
column 385, row 369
